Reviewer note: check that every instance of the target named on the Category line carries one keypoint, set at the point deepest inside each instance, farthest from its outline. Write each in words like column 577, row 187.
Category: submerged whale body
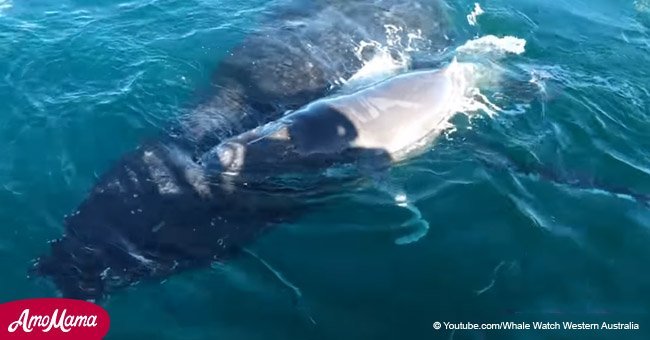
column 168, row 207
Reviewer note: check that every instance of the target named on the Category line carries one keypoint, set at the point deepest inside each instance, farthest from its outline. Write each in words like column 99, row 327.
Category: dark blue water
column 537, row 213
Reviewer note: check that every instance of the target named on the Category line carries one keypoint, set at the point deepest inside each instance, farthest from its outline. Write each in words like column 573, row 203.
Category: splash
column 484, row 51
column 493, row 45
column 381, row 66
column 466, row 79
column 539, row 78
column 473, row 16
column 381, row 61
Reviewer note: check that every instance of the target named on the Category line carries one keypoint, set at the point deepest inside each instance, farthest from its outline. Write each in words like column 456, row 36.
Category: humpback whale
column 161, row 210
column 198, row 212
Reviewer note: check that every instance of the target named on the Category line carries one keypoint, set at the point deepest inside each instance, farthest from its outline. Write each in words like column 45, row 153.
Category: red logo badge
column 52, row 318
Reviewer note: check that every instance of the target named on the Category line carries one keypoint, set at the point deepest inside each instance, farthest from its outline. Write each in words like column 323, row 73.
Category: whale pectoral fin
column 401, row 199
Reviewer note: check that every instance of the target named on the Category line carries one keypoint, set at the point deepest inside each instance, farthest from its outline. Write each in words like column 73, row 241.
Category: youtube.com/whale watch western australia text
column 538, row 325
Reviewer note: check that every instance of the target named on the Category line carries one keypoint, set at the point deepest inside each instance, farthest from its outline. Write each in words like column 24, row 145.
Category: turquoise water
column 84, row 82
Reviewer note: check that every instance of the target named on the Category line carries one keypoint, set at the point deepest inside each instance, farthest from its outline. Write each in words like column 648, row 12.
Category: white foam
column 471, row 77
column 469, row 100
column 380, row 67
column 491, row 44
column 387, row 60
column 471, row 18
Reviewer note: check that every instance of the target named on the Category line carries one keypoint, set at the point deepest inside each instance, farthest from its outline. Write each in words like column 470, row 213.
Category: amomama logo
column 52, row 318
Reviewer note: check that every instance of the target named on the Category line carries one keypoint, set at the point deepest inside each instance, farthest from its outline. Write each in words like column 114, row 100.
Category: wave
column 492, row 44
column 473, row 16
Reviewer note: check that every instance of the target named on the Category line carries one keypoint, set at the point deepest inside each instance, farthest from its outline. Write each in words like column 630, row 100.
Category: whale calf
column 159, row 210
column 374, row 126
column 370, row 129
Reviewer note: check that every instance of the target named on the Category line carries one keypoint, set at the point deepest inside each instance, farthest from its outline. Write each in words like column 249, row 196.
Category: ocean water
column 538, row 204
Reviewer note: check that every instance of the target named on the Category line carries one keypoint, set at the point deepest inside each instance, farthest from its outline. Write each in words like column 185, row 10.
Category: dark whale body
column 155, row 213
